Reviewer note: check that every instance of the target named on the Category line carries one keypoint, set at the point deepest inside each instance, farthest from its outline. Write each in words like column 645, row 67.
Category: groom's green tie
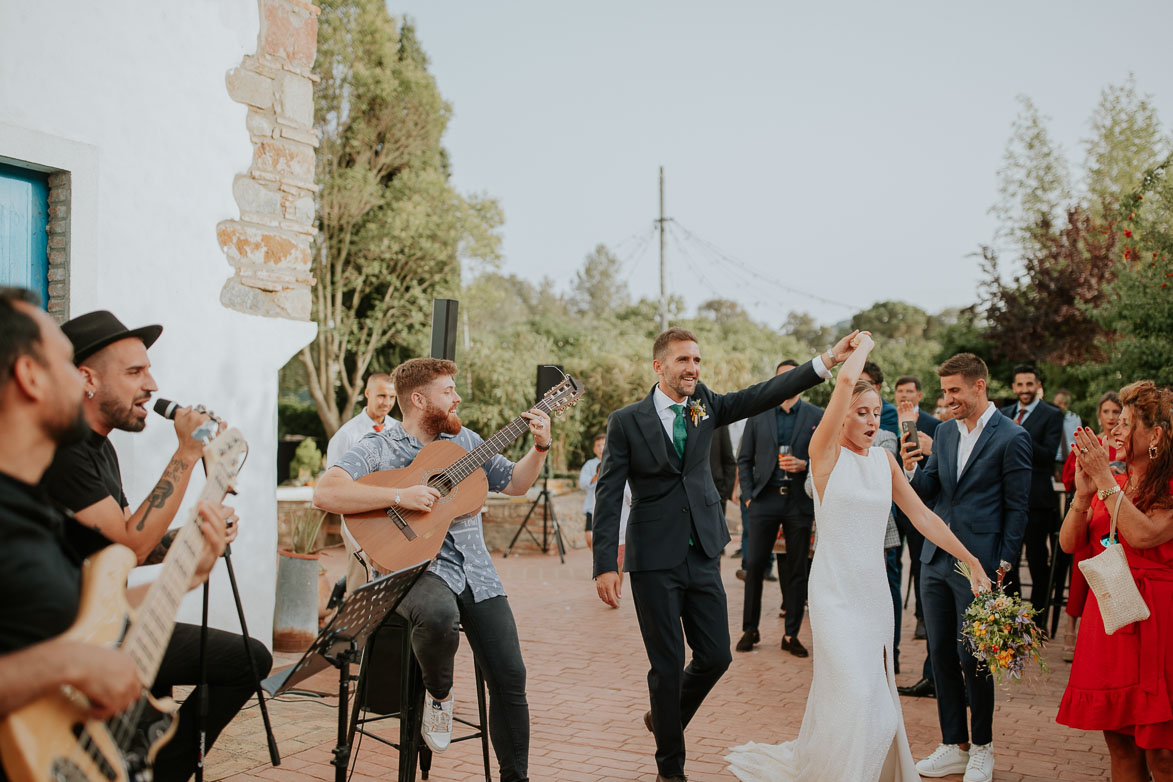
column 679, row 430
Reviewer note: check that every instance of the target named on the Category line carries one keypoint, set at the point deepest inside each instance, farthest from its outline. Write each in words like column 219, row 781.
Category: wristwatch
column 1104, row 494
column 1005, row 566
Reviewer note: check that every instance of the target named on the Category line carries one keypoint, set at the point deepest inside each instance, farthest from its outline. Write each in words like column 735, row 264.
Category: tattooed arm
column 160, row 551
column 142, row 530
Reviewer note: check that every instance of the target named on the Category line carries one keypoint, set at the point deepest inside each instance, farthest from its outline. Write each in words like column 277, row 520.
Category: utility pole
column 663, row 260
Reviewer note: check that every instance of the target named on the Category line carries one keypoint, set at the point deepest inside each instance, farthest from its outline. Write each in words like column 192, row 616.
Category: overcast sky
column 847, row 150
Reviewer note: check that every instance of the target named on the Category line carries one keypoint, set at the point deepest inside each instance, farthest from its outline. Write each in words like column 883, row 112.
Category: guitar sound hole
column 441, row 483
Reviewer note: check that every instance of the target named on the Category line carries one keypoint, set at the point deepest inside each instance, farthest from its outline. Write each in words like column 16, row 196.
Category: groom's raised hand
column 610, row 588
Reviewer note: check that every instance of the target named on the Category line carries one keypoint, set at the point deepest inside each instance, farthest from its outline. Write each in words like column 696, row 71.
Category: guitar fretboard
column 148, row 636
column 476, row 458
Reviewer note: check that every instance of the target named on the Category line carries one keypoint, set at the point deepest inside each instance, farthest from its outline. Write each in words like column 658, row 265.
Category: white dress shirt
column 668, row 416
column 969, row 439
column 350, row 433
column 966, row 441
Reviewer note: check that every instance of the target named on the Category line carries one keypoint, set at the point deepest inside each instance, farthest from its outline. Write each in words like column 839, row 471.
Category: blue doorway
column 24, row 218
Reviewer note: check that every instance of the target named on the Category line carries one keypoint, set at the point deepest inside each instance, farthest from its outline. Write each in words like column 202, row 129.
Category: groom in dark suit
column 677, row 530
column 978, row 481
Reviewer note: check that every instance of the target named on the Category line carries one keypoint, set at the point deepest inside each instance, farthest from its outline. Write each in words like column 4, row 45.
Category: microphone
column 166, row 408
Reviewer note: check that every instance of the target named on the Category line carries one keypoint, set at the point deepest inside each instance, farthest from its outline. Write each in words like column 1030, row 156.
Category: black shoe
column 795, row 647
column 896, row 667
column 740, row 574
column 919, row 633
column 748, row 639
column 922, row 689
column 770, row 576
column 662, row 778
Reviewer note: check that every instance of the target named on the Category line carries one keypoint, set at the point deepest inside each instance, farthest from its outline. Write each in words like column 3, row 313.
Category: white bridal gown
column 853, row 729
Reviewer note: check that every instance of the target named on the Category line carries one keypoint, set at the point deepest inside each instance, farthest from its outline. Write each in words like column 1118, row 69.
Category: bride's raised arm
column 824, row 445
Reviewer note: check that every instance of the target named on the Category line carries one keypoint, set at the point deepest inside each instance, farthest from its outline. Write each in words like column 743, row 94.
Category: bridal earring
column 1153, row 452
column 90, row 395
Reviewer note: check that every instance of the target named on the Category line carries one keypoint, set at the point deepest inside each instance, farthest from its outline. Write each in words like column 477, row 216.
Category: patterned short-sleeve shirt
column 464, row 557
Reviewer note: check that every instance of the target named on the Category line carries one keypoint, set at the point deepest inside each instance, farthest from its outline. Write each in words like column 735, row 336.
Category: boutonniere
column 696, row 412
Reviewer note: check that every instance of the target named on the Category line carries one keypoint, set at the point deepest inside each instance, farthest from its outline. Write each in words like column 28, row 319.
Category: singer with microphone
column 86, row 478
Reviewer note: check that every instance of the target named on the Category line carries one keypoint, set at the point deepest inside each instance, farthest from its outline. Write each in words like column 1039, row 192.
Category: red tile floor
column 587, row 692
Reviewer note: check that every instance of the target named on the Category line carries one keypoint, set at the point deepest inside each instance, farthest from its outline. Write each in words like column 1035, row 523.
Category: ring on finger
column 1083, row 450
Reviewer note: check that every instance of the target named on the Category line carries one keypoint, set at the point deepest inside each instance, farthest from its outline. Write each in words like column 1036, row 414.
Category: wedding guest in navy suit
column 1044, row 424
column 978, row 481
column 773, row 486
column 677, row 530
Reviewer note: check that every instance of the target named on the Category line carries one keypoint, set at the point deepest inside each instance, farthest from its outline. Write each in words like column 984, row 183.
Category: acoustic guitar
column 52, row 739
column 395, row 538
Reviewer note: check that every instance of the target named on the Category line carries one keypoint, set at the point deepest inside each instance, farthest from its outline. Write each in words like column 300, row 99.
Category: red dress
column 1124, row 682
column 1077, row 591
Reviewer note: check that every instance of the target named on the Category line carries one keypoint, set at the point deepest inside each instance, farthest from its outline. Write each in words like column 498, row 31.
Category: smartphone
column 908, row 431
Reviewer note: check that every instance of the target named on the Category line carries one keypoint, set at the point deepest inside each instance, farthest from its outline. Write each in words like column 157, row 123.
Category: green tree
column 392, row 228
column 892, row 320
column 1033, row 182
column 597, row 289
column 1127, row 139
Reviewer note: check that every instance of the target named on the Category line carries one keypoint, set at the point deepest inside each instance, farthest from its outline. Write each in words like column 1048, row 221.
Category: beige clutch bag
column 1111, row 580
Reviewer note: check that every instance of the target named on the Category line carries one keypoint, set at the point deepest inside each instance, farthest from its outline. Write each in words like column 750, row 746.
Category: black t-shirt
column 40, row 581
column 84, row 473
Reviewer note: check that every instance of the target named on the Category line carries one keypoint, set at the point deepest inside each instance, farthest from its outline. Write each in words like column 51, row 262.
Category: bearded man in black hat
column 86, row 478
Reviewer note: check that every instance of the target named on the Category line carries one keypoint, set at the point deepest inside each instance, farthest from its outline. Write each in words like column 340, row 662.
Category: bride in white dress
column 853, row 728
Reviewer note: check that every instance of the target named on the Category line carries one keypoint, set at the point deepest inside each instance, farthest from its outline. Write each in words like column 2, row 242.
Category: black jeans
column 765, row 516
column 435, row 614
column 230, row 685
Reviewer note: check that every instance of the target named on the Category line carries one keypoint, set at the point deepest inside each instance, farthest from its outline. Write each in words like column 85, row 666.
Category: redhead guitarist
column 41, row 410
column 461, row 585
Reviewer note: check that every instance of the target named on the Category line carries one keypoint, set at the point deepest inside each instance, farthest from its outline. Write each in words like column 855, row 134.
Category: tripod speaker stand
column 549, row 520
column 549, row 375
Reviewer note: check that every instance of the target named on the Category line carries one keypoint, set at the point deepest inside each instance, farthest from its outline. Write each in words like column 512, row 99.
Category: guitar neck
column 149, row 634
column 476, row 458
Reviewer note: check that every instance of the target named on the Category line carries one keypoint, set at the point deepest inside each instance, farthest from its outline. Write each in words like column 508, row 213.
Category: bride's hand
column 978, row 580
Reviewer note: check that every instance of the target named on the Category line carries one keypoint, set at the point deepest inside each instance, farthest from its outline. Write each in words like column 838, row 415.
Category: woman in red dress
column 1122, row 684
column 1107, row 413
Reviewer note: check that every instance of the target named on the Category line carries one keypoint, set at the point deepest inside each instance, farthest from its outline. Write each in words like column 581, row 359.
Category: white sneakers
column 946, row 759
column 981, row 763
column 436, row 725
column 977, row 764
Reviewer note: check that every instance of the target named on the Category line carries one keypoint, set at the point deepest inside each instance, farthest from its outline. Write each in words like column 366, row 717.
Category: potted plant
column 295, row 615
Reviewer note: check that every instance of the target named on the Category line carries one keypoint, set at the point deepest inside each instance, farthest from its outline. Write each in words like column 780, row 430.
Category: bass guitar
column 53, row 739
column 395, row 538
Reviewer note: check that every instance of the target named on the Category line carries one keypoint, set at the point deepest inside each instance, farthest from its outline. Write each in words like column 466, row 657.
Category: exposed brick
column 252, row 196
column 285, row 159
column 58, row 195
column 291, row 303
column 295, row 98
column 247, row 244
column 307, row 136
column 56, row 274
column 59, row 179
column 245, row 86
column 301, row 210
column 58, row 257
column 57, row 242
column 260, row 123
column 289, row 31
column 57, row 290
column 59, row 211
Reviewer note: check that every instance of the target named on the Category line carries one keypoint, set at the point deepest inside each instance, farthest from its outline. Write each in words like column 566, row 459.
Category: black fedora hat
column 95, row 330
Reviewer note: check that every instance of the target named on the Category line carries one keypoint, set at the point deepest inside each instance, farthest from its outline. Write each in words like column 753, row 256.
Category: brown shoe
column 795, row 647
column 748, row 639
column 648, row 720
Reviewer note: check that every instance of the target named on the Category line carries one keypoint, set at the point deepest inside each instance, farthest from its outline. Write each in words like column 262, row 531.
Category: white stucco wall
column 130, row 96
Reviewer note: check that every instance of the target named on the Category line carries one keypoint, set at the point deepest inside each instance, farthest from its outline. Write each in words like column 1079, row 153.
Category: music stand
column 548, row 518
column 341, row 642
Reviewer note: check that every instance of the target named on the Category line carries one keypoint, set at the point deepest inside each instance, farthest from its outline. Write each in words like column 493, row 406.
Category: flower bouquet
column 1000, row 631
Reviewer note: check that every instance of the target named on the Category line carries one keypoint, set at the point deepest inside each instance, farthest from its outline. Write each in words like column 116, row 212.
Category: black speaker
column 549, row 375
column 444, row 328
